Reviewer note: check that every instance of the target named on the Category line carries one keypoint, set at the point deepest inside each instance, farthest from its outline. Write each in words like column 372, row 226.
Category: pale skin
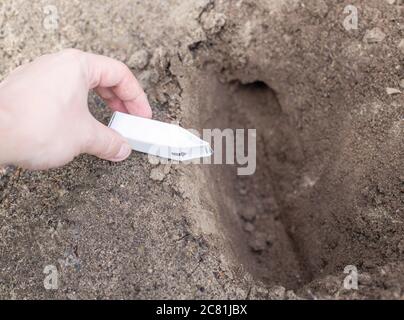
column 44, row 117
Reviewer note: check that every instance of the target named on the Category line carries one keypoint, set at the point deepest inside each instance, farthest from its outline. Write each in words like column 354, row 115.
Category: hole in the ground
column 253, row 207
column 311, row 209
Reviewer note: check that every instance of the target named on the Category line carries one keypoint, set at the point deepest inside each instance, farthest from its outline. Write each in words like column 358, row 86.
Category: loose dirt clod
column 139, row 60
column 160, row 172
column 249, row 227
column 374, row 35
column 276, row 293
column 248, row 214
column 213, row 22
column 258, row 242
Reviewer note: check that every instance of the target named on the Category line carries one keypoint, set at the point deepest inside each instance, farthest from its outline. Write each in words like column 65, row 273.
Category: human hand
column 44, row 116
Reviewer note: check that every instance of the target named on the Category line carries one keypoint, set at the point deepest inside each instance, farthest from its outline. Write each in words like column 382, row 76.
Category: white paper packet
column 159, row 138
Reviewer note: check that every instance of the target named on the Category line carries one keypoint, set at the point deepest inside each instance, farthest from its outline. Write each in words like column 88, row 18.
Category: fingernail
column 123, row 153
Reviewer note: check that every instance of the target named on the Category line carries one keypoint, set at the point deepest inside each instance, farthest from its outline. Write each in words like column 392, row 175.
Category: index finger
column 106, row 72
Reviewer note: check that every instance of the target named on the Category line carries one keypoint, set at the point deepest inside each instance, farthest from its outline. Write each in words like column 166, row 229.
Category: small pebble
column 276, row 293
column 258, row 242
column 258, row 293
column 242, row 190
column 148, row 78
column 249, row 227
column 402, row 83
column 139, row 60
column 364, row 278
column 392, row 91
column 160, row 172
column 270, row 239
column 248, row 214
column 374, row 36
column 291, row 295
column 214, row 22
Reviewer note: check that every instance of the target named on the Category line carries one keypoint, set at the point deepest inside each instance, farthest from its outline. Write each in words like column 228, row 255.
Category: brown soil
column 329, row 187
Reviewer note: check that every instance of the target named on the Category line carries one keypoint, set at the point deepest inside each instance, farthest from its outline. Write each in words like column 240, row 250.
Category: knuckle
column 75, row 59
column 73, row 56
column 71, row 53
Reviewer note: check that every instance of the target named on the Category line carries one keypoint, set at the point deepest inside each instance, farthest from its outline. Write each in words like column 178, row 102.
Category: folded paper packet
column 159, row 138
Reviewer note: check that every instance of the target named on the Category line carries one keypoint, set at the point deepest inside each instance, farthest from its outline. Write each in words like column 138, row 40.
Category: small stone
column 214, row 22
column 249, row 227
column 148, row 78
column 258, row 242
column 258, row 293
column 160, row 172
column 161, row 97
column 71, row 296
column 248, row 214
column 154, row 160
column 291, row 295
column 197, row 36
column 242, row 190
column 270, row 205
column 390, row 1
column 392, row 91
column 402, row 83
column 364, row 278
column 62, row 192
column 276, row 293
column 139, row 60
column 270, row 239
column 374, row 36
column 332, row 284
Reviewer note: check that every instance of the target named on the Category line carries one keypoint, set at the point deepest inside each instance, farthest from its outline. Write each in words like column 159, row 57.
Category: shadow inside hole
column 251, row 207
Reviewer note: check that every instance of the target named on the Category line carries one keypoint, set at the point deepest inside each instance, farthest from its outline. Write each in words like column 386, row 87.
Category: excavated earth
column 328, row 191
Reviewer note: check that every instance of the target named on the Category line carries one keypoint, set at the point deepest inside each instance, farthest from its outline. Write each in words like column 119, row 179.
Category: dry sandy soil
column 329, row 187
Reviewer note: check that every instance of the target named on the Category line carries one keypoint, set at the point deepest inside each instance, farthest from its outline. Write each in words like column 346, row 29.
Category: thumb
column 107, row 144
